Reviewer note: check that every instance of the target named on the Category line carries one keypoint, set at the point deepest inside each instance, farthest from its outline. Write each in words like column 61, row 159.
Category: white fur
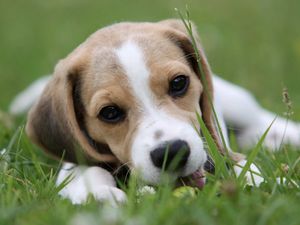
column 23, row 101
column 242, row 113
column 155, row 119
column 85, row 180
column 252, row 175
column 132, row 59
column 173, row 129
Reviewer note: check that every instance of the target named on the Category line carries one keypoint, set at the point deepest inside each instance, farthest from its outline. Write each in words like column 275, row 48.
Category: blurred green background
column 253, row 43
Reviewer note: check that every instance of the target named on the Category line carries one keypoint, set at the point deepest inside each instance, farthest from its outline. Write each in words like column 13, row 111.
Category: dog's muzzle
column 173, row 156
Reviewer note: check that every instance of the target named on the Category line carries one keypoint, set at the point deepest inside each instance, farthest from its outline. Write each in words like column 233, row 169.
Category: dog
column 129, row 95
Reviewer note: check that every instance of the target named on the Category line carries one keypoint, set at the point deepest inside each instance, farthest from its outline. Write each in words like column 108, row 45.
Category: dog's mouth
column 197, row 178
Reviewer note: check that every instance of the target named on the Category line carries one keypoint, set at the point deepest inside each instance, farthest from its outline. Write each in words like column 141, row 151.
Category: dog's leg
column 250, row 120
column 23, row 101
column 251, row 178
column 83, row 181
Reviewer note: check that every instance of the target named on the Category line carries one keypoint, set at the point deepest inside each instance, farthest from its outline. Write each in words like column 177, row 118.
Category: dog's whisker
column 127, row 174
column 121, row 167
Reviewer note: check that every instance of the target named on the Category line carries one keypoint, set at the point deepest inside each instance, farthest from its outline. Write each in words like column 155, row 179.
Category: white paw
column 281, row 132
column 111, row 194
column 102, row 193
column 253, row 175
column 254, row 178
column 83, row 181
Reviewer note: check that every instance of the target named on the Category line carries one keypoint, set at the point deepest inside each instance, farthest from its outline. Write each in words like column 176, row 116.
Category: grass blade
column 220, row 160
column 253, row 154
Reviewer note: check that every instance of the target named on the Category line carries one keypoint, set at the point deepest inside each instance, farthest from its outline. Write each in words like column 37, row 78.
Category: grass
column 254, row 43
column 29, row 196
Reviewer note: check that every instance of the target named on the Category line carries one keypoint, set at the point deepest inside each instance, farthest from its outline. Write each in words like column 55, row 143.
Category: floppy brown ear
column 56, row 122
column 180, row 37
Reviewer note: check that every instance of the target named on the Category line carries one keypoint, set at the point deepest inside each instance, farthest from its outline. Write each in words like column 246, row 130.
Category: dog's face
column 129, row 93
column 146, row 99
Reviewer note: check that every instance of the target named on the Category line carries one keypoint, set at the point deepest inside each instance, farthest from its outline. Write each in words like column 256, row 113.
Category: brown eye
column 111, row 114
column 178, row 86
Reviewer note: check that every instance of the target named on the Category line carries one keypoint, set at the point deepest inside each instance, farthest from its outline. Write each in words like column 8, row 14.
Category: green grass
column 29, row 196
column 255, row 44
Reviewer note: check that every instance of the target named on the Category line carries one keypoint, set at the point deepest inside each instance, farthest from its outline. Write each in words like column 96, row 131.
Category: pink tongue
column 198, row 179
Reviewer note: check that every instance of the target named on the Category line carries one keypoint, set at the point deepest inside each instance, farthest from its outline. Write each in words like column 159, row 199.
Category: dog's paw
column 82, row 182
column 111, row 194
column 253, row 176
column 281, row 132
column 102, row 193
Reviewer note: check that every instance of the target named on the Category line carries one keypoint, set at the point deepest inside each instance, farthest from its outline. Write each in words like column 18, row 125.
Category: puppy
column 128, row 96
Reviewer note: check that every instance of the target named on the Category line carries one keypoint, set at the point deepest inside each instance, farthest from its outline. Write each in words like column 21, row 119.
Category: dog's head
column 129, row 93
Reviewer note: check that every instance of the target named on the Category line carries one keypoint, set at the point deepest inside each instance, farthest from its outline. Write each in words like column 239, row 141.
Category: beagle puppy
column 129, row 95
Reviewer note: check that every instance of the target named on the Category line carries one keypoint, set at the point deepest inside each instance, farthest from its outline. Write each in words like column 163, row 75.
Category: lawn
column 253, row 43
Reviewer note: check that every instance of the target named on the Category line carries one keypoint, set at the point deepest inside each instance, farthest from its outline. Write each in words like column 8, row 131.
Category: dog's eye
column 178, row 86
column 111, row 114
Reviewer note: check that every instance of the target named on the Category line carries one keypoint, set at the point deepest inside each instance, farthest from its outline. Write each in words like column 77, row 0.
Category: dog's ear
column 177, row 33
column 56, row 121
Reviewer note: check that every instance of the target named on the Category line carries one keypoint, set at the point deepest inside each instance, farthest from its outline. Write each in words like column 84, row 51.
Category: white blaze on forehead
column 132, row 60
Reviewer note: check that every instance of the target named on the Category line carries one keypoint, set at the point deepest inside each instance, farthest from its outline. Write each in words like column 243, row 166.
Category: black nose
column 171, row 155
